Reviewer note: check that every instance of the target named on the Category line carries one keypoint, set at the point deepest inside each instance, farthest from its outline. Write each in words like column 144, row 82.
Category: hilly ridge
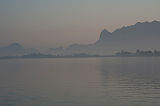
column 15, row 49
column 142, row 35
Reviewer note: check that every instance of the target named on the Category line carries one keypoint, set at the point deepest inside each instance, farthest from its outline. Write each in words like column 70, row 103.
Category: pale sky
column 53, row 23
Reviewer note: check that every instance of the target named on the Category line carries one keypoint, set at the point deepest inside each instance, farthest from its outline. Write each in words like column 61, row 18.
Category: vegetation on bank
column 138, row 53
column 39, row 55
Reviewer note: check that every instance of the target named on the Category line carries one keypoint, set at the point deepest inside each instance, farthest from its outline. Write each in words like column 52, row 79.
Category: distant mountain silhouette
column 142, row 35
column 104, row 35
column 15, row 49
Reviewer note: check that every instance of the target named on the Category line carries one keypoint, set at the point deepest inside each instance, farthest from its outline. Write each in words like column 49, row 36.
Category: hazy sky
column 54, row 23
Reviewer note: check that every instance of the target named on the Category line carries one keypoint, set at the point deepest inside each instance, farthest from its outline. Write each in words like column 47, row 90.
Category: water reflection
column 80, row 82
column 135, row 81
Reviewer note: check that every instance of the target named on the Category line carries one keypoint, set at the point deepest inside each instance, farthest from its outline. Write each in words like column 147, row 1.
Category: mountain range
column 142, row 35
column 15, row 49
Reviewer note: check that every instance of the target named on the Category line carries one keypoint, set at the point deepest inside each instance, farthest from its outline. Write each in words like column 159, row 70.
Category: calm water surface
column 110, row 81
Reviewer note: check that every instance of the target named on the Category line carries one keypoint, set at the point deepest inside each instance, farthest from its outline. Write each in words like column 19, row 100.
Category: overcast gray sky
column 54, row 23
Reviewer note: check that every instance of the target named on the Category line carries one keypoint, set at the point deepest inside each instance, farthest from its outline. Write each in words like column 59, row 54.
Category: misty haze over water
column 79, row 52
